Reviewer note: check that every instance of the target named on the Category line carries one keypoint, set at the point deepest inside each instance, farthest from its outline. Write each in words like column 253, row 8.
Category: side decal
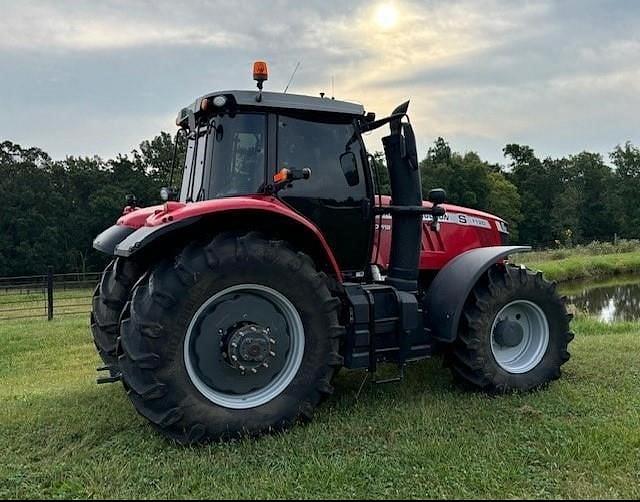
column 450, row 217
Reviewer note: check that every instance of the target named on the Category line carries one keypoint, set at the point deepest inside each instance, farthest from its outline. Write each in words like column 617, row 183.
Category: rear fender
column 450, row 288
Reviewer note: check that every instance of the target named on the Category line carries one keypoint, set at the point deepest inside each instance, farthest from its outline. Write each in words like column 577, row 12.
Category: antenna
column 292, row 75
column 333, row 94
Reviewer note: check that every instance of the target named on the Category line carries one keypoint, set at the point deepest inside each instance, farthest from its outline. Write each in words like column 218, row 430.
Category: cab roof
column 286, row 101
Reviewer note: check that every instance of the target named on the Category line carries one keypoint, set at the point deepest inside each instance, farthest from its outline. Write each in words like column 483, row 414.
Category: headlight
column 220, row 101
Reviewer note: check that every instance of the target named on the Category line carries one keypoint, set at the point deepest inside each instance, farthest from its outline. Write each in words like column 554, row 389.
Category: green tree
column 625, row 195
column 464, row 177
column 53, row 210
column 381, row 174
column 156, row 157
column 538, row 184
column 503, row 200
column 471, row 182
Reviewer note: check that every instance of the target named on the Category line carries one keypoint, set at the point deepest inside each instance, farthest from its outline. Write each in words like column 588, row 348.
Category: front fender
column 143, row 236
column 450, row 288
column 164, row 221
column 107, row 241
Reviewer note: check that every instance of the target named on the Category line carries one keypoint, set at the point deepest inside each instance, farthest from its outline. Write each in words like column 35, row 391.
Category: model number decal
column 450, row 217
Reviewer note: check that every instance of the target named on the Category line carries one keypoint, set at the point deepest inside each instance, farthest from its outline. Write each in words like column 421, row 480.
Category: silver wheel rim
column 283, row 378
column 527, row 354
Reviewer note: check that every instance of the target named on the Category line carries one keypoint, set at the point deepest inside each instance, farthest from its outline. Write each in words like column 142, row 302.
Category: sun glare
column 386, row 16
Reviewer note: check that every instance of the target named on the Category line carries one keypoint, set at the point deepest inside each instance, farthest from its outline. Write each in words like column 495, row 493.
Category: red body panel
column 461, row 229
column 175, row 211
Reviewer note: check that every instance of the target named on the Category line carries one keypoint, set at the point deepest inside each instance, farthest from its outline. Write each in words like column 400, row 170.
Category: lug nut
column 265, row 364
column 272, row 341
column 234, row 357
column 254, row 371
column 272, row 353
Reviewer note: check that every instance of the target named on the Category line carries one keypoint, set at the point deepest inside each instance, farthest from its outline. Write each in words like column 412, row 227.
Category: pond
column 611, row 299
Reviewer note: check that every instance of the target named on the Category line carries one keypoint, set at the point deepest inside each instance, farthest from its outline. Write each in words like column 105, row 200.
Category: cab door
column 337, row 195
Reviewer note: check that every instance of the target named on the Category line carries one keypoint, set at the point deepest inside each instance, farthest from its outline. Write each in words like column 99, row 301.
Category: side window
column 238, row 155
column 193, row 171
column 198, row 168
column 330, row 150
column 187, row 174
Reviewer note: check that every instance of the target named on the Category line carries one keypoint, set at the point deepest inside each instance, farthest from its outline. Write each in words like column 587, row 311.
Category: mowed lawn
column 63, row 436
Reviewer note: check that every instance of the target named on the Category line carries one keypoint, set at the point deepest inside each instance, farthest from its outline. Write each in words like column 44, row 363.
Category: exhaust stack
column 406, row 200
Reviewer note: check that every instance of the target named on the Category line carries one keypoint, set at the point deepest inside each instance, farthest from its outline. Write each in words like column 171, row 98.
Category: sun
column 386, row 16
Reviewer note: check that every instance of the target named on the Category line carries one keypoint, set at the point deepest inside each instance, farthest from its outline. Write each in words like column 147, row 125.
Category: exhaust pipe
column 406, row 199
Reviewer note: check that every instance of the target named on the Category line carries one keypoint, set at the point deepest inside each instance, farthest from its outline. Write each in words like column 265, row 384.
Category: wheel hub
column 244, row 346
column 508, row 333
column 250, row 347
column 519, row 336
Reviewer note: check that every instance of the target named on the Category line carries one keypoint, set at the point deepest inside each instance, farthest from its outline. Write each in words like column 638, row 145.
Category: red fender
column 161, row 218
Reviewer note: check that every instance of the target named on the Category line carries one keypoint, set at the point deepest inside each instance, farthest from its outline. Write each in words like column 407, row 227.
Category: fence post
column 50, row 293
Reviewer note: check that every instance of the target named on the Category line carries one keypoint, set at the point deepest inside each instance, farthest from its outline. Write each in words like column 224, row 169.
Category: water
column 610, row 300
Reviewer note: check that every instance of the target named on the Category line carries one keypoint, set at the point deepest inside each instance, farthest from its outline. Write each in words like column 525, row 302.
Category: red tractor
column 228, row 311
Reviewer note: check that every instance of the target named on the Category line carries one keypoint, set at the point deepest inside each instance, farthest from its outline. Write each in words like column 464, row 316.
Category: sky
column 98, row 77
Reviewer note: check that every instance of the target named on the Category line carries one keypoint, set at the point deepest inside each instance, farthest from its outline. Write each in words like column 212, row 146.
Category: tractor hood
column 461, row 229
column 463, row 216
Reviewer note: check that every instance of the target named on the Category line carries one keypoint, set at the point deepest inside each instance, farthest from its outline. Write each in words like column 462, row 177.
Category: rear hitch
column 114, row 375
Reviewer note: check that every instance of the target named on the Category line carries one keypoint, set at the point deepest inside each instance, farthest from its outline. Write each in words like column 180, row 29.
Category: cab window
column 238, row 157
column 331, row 151
column 192, row 178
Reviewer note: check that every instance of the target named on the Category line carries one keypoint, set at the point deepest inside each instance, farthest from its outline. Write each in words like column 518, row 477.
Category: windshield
column 227, row 158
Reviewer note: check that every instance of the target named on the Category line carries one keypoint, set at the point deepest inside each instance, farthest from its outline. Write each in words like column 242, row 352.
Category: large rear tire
column 514, row 332
column 236, row 337
column 109, row 298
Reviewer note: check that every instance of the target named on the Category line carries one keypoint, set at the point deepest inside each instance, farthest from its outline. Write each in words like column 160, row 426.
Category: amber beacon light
column 260, row 74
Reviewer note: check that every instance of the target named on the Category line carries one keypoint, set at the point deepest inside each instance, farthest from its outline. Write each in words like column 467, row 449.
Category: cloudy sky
column 97, row 77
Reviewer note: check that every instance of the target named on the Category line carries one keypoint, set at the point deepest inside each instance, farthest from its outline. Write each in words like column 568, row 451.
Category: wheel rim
column 244, row 346
column 519, row 336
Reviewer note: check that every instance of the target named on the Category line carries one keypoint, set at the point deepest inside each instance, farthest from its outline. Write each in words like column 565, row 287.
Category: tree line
column 547, row 202
column 52, row 209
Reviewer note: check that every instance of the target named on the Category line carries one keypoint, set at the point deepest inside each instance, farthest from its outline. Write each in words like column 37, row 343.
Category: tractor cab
column 241, row 146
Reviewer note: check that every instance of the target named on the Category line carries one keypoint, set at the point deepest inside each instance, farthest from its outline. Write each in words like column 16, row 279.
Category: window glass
column 199, row 166
column 186, row 175
column 320, row 146
column 192, row 176
column 238, row 155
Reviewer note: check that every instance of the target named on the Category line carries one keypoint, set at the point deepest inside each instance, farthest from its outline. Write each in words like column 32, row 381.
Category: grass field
column 63, row 436
column 594, row 248
column 582, row 266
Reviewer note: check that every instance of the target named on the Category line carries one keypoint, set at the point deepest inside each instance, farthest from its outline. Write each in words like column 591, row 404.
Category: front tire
column 236, row 337
column 514, row 332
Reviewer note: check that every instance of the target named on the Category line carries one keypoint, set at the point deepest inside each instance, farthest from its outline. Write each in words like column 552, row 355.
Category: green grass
column 583, row 266
column 62, row 436
column 592, row 249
